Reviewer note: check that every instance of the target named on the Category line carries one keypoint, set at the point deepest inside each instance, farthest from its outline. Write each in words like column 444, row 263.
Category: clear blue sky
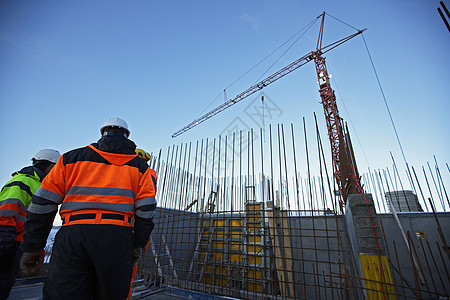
column 66, row 66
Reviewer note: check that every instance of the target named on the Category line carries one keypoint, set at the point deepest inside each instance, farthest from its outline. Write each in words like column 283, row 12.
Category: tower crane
column 344, row 164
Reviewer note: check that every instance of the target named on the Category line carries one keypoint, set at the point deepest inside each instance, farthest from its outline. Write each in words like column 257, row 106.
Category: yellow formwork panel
column 254, row 274
column 254, row 239
column 236, row 223
column 218, row 245
column 219, row 223
column 254, row 249
column 236, row 234
column 236, row 258
column 218, row 256
column 205, row 223
column 254, row 259
column 254, row 207
column 206, row 268
column 254, row 218
column 221, row 270
column 219, row 233
column 253, row 226
column 221, row 282
column 255, row 287
column 204, row 244
column 236, row 246
column 378, row 283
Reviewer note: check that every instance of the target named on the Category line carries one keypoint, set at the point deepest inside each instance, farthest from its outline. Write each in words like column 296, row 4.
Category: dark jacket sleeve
column 37, row 228
column 145, row 206
column 43, row 209
column 142, row 230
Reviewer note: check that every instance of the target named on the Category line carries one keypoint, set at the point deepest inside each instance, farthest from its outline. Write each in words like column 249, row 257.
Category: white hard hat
column 47, row 154
column 115, row 122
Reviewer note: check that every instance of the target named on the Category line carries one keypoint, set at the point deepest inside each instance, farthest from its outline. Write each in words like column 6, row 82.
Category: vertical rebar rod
column 413, row 248
column 436, row 266
column 413, row 265
column 323, row 200
column 444, row 264
column 420, row 189
column 428, row 185
column 232, row 174
column 395, row 170
column 387, row 250
column 441, row 181
column 375, row 189
column 240, row 168
column 253, row 163
column 393, row 192
column 428, row 266
column 302, row 263
column 437, row 190
column 439, row 228
column 381, row 189
column 204, row 176
column 399, row 267
column 271, row 163
column 280, row 169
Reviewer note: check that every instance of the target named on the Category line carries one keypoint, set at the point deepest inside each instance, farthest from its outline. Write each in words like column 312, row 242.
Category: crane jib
column 265, row 82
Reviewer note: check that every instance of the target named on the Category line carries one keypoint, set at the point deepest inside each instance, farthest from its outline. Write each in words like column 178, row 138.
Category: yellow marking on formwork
column 254, row 218
column 254, row 227
column 255, row 287
column 378, row 286
column 218, row 245
column 252, row 207
column 236, row 246
column 221, row 270
column 254, row 259
column 219, row 223
column 254, row 274
column 236, row 258
column 254, row 239
column 254, row 249
column 236, row 223
column 236, row 234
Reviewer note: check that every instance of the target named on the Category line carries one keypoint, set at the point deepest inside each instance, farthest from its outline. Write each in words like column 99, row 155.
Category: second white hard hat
column 50, row 155
column 115, row 122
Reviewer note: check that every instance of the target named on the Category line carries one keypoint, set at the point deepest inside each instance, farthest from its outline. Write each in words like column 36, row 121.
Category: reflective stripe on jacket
column 88, row 179
column 15, row 197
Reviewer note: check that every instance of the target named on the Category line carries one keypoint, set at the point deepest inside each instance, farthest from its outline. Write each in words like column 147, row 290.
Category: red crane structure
column 344, row 164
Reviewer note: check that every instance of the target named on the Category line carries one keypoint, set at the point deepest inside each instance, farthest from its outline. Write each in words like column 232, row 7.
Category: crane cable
column 305, row 28
column 381, row 90
column 348, row 114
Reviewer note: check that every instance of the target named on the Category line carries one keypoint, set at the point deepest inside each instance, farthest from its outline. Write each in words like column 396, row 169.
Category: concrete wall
column 324, row 265
column 435, row 264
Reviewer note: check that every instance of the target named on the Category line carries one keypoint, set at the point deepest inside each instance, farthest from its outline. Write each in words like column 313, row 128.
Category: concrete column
column 368, row 247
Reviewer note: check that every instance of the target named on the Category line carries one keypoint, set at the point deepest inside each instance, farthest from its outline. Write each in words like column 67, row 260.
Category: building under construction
column 236, row 218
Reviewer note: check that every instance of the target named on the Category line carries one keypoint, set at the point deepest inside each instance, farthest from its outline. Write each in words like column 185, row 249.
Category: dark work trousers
column 90, row 262
column 8, row 275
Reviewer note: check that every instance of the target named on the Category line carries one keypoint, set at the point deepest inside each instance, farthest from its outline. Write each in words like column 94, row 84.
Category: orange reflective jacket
column 95, row 187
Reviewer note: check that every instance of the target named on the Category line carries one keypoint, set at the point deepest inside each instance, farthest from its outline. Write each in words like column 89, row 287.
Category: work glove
column 32, row 262
column 137, row 255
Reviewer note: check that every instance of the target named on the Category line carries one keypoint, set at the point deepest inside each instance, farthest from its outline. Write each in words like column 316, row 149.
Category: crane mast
column 344, row 164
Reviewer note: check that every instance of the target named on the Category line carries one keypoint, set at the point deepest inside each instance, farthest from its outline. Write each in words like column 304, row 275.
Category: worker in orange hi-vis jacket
column 101, row 188
column 15, row 197
column 145, row 156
